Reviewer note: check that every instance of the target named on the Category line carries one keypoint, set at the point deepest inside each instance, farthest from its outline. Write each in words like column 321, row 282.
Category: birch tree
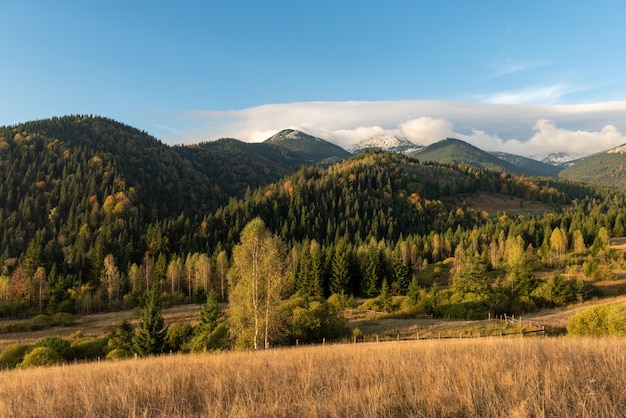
column 257, row 280
column 221, row 270
column 111, row 277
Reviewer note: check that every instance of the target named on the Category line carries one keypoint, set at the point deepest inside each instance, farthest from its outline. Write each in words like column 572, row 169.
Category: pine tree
column 209, row 314
column 151, row 331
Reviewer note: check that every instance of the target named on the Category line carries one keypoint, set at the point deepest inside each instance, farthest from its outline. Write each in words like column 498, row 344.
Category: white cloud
column 520, row 129
column 507, row 66
column 426, row 130
column 545, row 94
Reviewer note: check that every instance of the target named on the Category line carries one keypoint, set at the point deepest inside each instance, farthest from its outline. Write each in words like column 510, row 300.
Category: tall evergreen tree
column 151, row 331
column 209, row 313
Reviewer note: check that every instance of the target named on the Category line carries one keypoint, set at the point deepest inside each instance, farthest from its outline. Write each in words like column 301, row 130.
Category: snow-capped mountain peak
column 384, row 142
column 558, row 158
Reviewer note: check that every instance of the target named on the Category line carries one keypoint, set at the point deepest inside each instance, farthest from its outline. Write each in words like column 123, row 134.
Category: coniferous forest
column 98, row 216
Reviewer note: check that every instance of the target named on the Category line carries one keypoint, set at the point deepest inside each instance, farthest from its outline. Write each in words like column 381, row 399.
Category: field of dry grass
column 523, row 377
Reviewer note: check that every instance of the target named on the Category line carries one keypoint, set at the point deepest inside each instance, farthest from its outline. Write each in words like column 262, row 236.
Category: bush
column 41, row 356
column 467, row 310
column 341, row 300
column 21, row 326
column 312, row 320
column 118, row 354
column 215, row 340
column 41, row 322
column 88, row 349
column 13, row 354
column 63, row 319
column 178, row 335
column 606, row 320
column 121, row 337
column 59, row 345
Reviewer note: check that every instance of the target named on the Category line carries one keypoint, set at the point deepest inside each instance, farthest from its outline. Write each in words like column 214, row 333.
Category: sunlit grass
column 521, row 377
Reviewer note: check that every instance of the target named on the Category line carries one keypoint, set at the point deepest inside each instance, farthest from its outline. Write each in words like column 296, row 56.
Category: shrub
column 21, row 326
column 118, row 354
column 41, row 356
column 467, row 310
column 178, row 335
column 215, row 340
column 341, row 300
column 41, row 322
column 606, row 320
column 13, row 354
column 312, row 319
column 121, row 337
column 63, row 319
column 59, row 345
column 88, row 349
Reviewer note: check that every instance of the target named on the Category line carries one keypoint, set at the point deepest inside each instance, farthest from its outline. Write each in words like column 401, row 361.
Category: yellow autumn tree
column 257, row 282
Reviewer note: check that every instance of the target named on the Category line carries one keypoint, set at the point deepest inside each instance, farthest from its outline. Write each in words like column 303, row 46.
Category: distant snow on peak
column 558, row 158
column 384, row 142
column 293, row 134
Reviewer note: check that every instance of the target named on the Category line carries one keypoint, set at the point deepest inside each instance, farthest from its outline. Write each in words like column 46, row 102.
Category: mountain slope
column 236, row 165
column 606, row 168
column 453, row 150
column 374, row 195
column 83, row 184
column 307, row 147
column 539, row 168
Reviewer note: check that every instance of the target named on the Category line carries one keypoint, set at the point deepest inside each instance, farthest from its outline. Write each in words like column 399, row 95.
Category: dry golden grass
column 523, row 377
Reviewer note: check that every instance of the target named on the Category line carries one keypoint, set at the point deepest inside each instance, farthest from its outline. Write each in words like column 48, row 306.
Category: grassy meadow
column 489, row 377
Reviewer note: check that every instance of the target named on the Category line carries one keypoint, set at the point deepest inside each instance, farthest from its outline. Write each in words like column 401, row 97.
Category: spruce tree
column 151, row 331
column 209, row 314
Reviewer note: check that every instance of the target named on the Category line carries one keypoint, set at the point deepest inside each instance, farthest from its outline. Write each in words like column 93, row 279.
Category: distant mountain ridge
column 308, row 147
column 452, row 150
column 537, row 168
column 560, row 159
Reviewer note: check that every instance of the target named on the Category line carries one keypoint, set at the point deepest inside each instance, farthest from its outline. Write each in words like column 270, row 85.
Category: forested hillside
column 453, row 150
column 605, row 168
column 95, row 213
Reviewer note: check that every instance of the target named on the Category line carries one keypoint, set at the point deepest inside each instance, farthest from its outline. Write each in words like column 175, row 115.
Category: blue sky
column 496, row 73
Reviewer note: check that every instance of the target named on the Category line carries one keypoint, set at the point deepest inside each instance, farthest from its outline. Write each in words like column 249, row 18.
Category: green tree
column 209, row 314
column 340, row 269
column 151, row 332
column 121, row 338
column 258, row 282
column 471, row 280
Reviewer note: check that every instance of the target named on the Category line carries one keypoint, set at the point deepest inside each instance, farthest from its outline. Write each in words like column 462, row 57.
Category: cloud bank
column 527, row 130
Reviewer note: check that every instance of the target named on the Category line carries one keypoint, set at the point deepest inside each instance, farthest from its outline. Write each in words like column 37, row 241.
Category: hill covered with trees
column 95, row 214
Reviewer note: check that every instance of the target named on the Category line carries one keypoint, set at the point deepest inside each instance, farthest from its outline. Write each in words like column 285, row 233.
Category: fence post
column 377, row 338
column 323, row 341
